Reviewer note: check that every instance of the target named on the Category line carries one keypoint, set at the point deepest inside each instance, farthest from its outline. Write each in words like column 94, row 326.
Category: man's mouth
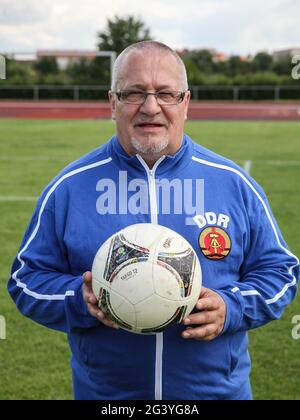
column 149, row 125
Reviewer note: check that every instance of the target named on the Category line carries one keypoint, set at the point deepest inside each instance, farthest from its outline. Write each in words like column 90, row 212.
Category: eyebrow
column 142, row 87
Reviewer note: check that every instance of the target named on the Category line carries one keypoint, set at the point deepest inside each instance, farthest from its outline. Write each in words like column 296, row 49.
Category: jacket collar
column 167, row 165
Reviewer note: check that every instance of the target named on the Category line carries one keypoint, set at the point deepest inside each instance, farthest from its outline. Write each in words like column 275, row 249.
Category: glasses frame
column 180, row 98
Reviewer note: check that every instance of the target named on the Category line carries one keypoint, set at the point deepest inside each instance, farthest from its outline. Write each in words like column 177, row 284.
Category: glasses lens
column 132, row 97
column 167, row 97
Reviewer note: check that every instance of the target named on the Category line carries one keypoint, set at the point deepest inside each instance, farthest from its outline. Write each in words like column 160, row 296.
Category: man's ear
column 187, row 97
column 186, row 103
column 112, row 102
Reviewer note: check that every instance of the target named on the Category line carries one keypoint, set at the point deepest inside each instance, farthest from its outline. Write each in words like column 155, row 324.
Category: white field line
column 278, row 162
column 36, row 158
column 17, row 198
column 271, row 162
column 248, row 166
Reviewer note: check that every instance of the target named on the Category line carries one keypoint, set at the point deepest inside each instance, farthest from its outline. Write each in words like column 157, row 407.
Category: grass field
column 34, row 361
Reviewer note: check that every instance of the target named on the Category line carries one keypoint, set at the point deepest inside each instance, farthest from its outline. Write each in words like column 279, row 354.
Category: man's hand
column 91, row 301
column 210, row 318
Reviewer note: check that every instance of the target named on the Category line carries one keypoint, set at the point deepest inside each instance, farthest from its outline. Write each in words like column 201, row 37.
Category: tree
column 195, row 77
column 121, row 32
column 203, row 59
column 46, row 65
column 283, row 67
column 79, row 71
column 18, row 73
column 235, row 65
column 262, row 62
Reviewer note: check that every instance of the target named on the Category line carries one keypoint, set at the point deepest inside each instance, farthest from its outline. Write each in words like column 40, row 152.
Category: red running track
column 197, row 110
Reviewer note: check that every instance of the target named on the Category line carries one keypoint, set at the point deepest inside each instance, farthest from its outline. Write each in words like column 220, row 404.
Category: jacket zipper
column 154, row 220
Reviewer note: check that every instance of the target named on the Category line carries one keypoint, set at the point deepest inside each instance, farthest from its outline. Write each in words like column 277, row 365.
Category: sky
column 232, row 26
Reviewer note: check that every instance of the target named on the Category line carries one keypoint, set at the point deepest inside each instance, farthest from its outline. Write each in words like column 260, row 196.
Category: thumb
column 87, row 279
column 87, row 288
column 203, row 292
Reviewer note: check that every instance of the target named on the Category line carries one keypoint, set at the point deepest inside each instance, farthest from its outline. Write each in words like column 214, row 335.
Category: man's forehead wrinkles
column 144, row 86
column 145, row 77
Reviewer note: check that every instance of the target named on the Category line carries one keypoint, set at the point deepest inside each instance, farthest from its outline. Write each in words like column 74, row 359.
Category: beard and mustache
column 149, row 148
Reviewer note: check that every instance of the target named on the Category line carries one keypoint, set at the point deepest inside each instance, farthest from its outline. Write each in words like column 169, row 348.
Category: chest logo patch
column 215, row 243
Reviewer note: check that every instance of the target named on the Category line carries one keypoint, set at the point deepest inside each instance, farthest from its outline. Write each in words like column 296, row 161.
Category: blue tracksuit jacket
column 210, row 201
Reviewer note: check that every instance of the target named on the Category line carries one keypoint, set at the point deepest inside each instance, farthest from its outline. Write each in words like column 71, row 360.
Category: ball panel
column 167, row 283
column 99, row 264
column 97, row 282
column 171, row 242
column 117, row 309
column 120, row 251
column 183, row 264
column 134, row 281
column 196, row 281
column 145, row 233
column 155, row 312
column 124, row 311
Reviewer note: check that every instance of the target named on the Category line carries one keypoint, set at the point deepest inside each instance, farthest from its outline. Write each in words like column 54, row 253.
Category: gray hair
column 138, row 46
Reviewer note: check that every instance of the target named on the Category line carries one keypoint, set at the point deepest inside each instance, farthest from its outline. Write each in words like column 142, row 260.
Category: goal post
column 2, row 67
column 112, row 55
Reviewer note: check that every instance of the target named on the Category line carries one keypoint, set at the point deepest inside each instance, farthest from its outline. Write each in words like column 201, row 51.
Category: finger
column 201, row 333
column 90, row 298
column 204, row 291
column 87, row 278
column 109, row 323
column 208, row 304
column 100, row 315
column 93, row 310
column 205, row 317
column 209, row 338
column 105, row 320
column 87, row 281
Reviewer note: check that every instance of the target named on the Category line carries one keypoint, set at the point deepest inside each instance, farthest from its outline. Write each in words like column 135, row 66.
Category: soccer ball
column 146, row 277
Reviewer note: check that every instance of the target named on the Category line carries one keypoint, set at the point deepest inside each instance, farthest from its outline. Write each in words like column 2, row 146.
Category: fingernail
column 100, row 315
column 116, row 326
column 186, row 334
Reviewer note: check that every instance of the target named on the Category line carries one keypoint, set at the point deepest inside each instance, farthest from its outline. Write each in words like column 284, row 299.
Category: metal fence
column 77, row 93
column 240, row 93
column 46, row 92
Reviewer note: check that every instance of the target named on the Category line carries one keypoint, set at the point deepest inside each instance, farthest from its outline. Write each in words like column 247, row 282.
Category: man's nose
column 150, row 106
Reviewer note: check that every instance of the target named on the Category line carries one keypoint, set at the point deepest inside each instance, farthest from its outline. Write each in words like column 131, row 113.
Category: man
column 249, row 275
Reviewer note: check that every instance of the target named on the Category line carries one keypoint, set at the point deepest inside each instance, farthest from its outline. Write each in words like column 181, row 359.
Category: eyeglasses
column 138, row 98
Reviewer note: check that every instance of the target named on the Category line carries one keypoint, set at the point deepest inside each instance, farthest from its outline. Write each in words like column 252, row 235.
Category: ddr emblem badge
column 215, row 243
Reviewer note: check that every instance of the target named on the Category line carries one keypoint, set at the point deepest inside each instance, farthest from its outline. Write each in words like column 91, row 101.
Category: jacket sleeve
column 268, row 277
column 41, row 282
